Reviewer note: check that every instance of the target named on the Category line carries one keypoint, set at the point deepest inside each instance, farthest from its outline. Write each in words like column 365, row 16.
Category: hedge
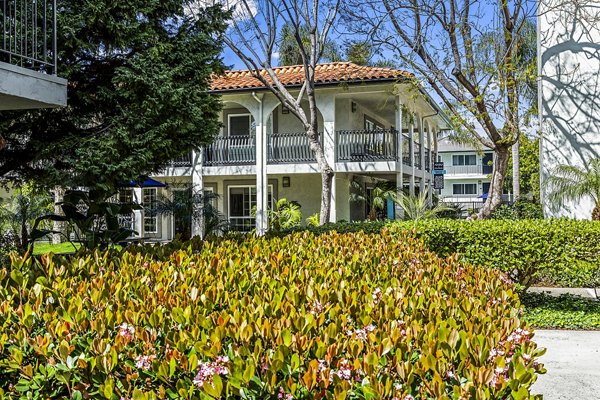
column 335, row 316
column 549, row 252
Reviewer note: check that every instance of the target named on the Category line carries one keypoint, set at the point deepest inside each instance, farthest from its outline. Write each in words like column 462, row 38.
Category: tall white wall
column 569, row 90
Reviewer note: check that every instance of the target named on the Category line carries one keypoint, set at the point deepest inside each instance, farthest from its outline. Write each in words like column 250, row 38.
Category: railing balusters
column 363, row 145
column 27, row 41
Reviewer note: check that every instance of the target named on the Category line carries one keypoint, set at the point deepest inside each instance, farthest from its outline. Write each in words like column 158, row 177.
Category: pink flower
column 376, row 295
column 206, row 370
column 127, row 331
column 144, row 362
column 283, row 395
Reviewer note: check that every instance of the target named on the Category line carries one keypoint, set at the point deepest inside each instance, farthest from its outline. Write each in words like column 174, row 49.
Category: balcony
column 465, row 170
column 294, row 148
column 28, row 59
column 182, row 161
column 363, row 145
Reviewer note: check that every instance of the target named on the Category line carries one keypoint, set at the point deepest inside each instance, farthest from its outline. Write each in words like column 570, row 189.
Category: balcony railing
column 289, row 148
column 406, row 150
column 231, row 150
column 418, row 160
column 378, row 145
column 28, row 34
column 182, row 161
column 465, row 170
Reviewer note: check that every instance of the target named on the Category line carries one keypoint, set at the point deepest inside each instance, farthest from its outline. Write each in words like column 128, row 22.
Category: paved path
column 573, row 363
column 583, row 292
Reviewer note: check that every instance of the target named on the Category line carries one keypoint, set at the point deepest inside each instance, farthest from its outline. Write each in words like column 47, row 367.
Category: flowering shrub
column 335, row 316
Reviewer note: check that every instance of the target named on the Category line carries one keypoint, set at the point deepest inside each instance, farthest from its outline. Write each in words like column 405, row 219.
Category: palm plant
column 419, row 207
column 570, row 183
column 379, row 196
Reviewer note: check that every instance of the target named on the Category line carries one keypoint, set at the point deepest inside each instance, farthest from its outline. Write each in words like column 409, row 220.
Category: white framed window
column 149, row 202
column 126, row 195
column 464, row 159
column 239, row 125
column 242, row 204
column 464, row 188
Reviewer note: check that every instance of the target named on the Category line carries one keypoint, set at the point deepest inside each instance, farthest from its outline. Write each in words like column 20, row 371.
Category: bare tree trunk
column 498, row 174
column 516, row 170
column 326, row 174
column 58, row 226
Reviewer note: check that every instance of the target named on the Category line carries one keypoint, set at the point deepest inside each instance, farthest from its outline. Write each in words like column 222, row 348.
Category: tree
column 138, row 75
column 529, row 168
column 379, row 196
column 253, row 38
column 446, row 43
column 571, row 183
column 419, row 207
column 290, row 53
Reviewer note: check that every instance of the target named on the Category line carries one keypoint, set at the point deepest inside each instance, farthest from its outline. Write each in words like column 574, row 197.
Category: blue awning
column 483, row 196
column 149, row 182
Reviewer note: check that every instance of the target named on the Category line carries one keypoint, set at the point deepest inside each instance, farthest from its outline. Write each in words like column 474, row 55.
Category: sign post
column 438, row 175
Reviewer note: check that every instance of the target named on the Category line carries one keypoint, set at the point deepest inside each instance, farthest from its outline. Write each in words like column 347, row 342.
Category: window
column 464, row 188
column 239, row 124
column 149, row 203
column 242, row 206
column 464, row 159
column 126, row 195
column 372, row 125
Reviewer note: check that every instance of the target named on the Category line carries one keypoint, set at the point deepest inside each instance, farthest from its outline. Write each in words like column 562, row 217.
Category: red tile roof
column 336, row 72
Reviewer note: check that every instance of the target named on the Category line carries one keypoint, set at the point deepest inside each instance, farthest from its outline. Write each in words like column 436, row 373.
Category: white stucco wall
column 569, row 95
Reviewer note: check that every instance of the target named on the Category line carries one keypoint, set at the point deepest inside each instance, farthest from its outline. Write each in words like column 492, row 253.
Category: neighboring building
column 28, row 56
column 467, row 178
column 569, row 90
column 375, row 126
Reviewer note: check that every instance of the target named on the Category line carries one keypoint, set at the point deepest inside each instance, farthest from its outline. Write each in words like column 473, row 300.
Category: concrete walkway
column 583, row 292
column 573, row 363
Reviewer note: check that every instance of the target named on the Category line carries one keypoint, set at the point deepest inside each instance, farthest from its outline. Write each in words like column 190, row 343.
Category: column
column 399, row 155
column 326, row 105
column 262, row 188
column 198, row 187
column 422, row 154
column 429, row 176
column 411, row 184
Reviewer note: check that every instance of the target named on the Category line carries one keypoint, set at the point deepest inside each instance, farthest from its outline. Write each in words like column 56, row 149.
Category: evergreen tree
column 138, row 75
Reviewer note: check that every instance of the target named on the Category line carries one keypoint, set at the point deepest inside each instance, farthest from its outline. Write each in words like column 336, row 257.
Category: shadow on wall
column 570, row 88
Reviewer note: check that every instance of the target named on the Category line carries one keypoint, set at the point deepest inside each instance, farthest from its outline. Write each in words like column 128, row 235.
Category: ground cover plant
column 333, row 316
column 561, row 312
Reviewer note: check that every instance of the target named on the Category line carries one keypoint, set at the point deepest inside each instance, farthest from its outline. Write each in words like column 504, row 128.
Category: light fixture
column 353, row 106
column 285, row 181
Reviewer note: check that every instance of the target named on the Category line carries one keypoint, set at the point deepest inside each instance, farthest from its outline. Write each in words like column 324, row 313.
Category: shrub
column 553, row 252
column 333, row 316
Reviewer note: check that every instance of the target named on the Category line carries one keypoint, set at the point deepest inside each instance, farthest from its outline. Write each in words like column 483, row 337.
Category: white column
column 262, row 188
column 399, row 156
column 422, row 154
column 139, row 214
column 198, row 187
column 326, row 105
column 429, row 176
column 411, row 184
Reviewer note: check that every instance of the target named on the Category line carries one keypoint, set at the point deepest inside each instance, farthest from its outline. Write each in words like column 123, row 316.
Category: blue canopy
column 149, row 182
column 483, row 196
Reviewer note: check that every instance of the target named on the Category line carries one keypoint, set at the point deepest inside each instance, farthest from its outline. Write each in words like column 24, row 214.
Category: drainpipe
column 261, row 170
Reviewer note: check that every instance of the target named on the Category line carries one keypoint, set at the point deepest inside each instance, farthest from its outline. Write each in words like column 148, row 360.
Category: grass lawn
column 43, row 248
column 563, row 312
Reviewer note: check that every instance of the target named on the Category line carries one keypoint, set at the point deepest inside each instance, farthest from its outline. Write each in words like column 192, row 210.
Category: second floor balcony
column 294, row 148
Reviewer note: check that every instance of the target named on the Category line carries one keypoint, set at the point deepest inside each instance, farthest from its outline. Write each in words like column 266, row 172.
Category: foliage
column 520, row 209
column 285, row 215
column 382, row 192
column 554, row 252
column 573, row 183
column 19, row 213
column 60, row 248
column 138, row 75
column 194, row 206
column 334, row 316
column 312, row 220
column 289, row 50
column 95, row 217
column 529, row 168
column 419, row 207
column 563, row 312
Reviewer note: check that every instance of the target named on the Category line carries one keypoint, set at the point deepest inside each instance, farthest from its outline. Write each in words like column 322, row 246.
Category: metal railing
column 231, row 150
column 28, row 29
column 182, row 161
column 418, row 160
column 363, row 145
column 406, row 150
column 289, row 148
column 464, row 170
